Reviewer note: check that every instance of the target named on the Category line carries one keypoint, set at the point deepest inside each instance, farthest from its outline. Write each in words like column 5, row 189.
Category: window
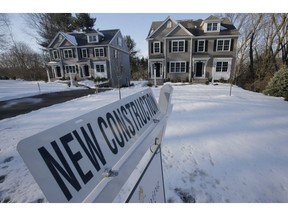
column 178, row 46
column 212, row 27
column 68, row 53
column 55, row 54
column 115, row 54
column 99, row 52
column 99, row 67
column 120, row 41
column 70, row 69
column 169, row 24
column 93, row 38
column 156, row 47
column 221, row 66
column 223, row 45
column 201, row 46
column 84, row 53
column 178, row 67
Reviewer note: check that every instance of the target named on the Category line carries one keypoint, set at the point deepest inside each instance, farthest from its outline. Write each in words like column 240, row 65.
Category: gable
column 62, row 39
column 163, row 29
column 179, row 30
column 56, row 41
column 66, row 43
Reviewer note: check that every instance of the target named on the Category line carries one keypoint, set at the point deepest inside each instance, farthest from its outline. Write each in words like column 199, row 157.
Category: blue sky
column 136, row 25
column 132, row 17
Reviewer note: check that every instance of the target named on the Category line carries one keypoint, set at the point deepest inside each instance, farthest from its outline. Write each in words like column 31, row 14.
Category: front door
column 58, row 72
column 199, row 69
column 157, row 69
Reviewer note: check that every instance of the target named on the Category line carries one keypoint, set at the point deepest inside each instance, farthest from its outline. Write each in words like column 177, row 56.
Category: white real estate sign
column 90, row 158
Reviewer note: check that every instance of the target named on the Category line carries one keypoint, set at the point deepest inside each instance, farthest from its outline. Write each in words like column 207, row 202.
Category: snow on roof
column 70, row 38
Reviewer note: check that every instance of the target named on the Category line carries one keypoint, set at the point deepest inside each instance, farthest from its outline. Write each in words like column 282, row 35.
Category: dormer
column 211, row 24
column 94, row 36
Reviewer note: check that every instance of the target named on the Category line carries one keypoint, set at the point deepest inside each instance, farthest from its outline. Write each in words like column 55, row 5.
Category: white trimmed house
column 95, row 54
column 192, row 50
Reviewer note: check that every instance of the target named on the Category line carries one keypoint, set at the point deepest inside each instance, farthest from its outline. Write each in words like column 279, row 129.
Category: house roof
column 80, row 38
column 194, row 26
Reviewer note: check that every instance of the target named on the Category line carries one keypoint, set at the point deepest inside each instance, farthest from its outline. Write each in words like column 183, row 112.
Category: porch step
column 199, row 81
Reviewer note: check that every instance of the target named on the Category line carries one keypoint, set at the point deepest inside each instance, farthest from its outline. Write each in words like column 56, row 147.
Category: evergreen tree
column 278, row 85
column 84, row 22
column 47, row 25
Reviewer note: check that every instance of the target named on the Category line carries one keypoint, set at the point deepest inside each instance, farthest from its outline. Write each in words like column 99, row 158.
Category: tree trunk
column 251, row 66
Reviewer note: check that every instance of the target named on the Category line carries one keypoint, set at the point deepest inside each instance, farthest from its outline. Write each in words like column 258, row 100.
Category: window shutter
column 151, row 47
column 206, row 45
column 167, row 67
column 104, row 48
column 232, row 45
column 215, row 43
column 195, row 46
column 187, row 66
column 161, row 47
column 80, row 53
column 186, row 46
column 169, row 46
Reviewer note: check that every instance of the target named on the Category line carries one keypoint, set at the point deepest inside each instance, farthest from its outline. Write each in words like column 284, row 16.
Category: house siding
column 199, row 65
column 83, row 67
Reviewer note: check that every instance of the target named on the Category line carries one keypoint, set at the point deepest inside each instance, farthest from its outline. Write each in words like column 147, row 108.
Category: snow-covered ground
column 217, row 148
column 12, row 89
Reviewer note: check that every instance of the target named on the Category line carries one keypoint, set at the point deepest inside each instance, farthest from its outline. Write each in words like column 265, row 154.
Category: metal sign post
column 95, row 157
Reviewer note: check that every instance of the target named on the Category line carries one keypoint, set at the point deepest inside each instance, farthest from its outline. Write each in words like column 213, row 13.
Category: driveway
column 11, row 108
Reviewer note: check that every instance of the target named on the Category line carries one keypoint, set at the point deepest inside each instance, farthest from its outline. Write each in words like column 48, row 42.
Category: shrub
column 278, row 85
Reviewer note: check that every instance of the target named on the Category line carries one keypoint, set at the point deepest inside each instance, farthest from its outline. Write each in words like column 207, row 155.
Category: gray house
column 191, row 50
column 102, row 55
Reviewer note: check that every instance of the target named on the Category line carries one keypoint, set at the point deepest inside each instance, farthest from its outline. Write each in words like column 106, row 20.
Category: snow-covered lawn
column 217, row 148
column 11, row 89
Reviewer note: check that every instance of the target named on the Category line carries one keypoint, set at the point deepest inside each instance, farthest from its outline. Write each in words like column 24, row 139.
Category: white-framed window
column 115, row 54
column 201, row 46
column 99, row 52
column 70, row 69
column 99, row 67
column 84, row 53
column 177, row 67
column 222, row 66
column 93, row 38
column 169, row 24
column 178, row 45
column 212, row 26
column 223, row 44
column 55, row 54
column 120, row 41
column 68, row 53
column 156, row 47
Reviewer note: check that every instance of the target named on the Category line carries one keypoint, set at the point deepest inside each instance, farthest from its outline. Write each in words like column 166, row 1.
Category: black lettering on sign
column 56, row 169
column 93, row 151
column 152, row 104
column 112, row 124
column 135, row 111
column 130, row 126
column 75, row 157
column 122, row 124
column 141, row 111
column 101, row 123
column 130, row 112
column 144, row 103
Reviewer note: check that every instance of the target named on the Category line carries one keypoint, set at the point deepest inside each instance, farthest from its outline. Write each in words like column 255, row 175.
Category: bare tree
column 4, row 35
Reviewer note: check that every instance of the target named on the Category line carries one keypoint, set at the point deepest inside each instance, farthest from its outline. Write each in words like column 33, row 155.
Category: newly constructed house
column 191, row 50
column 100, row 55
